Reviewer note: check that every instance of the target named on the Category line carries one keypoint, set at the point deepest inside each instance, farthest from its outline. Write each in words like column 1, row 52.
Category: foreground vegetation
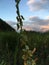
column 9, row 43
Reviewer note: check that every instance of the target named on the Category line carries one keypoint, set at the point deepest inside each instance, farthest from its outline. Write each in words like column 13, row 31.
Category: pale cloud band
column 34, row 23
column 37, row 24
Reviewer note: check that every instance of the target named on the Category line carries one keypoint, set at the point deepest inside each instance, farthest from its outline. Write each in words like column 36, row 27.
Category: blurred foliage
column 2, row 62
column 33, row 39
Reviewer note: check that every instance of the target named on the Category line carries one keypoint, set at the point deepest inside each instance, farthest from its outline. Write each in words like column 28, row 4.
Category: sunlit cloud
column 36, row 5
column 37, row 24
column 45, row 28
column 27, row 27
column 30, row 1
column 47, row 17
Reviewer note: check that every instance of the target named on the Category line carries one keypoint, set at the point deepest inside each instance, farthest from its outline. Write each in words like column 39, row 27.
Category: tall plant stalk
column 20, row 19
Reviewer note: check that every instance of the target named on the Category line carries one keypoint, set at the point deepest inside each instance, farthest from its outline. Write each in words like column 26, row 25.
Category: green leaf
column 17, row 12
column 17, row 1
column 21, row 24
column 16, row 6
column 22, row 17
column 17, row 18
column 17, row 26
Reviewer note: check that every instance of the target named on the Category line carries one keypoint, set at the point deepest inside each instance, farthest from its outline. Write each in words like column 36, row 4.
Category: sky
column 35, row 12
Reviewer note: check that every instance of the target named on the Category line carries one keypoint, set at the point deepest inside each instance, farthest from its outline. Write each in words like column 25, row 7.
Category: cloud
column 47, row 17
column 11, row 22
column 28, row 28
column 37, row 24
column 31, row 1
column 36, row 5
column 45, row 28
column 34, row 23
column 38, row 21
